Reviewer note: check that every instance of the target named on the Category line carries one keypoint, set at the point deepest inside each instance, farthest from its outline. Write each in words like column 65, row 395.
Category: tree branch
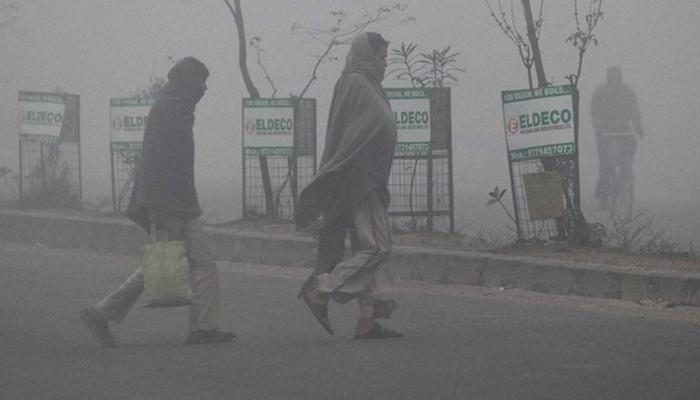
column 255, row 42
column 336, row 35
column 242, row 48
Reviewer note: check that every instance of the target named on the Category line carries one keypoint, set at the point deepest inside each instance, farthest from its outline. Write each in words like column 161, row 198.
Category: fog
column 101, row 50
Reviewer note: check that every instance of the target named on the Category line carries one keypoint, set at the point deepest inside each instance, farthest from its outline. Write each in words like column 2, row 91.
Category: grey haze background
column 103, row 49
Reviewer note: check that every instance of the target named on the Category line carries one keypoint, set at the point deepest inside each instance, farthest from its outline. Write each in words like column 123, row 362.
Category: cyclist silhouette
column 616, row 119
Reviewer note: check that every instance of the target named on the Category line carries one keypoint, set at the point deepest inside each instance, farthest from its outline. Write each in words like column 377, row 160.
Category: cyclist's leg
column 606, row 170
column 628, row 146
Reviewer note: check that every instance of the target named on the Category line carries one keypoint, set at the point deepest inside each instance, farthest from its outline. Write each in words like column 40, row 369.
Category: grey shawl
column 164, row 180
column 360, row 139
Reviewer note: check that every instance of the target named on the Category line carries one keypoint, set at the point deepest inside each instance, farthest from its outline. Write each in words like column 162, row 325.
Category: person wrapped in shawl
column 350, row 192
column 164, row 203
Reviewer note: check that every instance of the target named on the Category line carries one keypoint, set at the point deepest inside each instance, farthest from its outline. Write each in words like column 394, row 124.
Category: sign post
column 279, row 153
column 421, row 179
column 539, row 124
column 127, row 123
column 49, row 149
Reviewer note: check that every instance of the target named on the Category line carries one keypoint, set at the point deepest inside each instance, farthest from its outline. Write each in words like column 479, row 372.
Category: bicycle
column 622, row 146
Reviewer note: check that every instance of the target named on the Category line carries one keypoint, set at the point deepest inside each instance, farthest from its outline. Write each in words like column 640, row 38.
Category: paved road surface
column 461, row 343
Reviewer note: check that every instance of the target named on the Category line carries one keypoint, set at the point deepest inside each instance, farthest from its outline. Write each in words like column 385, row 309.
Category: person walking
column 164, row 203
column 350, row 192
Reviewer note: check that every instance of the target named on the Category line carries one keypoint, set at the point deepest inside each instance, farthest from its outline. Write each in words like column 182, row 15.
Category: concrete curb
column 117, row 235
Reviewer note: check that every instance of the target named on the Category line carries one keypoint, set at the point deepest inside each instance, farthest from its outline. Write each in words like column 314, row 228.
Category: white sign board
column 411, row 109
column 268, row 126
column 128, row 118
column 41, row 115
column 539, row 123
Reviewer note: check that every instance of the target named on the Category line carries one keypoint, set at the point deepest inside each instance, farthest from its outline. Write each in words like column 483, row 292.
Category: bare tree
column 255, row 42
column 253, row 92
column 510, row 29
column 530, row 55
column 340, row 33
column 529, row 50
column 237, row 14
column 582, row 37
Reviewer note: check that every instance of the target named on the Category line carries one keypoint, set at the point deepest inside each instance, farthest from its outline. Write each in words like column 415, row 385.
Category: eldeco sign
column 268, row 126
column 539, row 122
column 411, row 109
column 41, row 115
column 128, row 118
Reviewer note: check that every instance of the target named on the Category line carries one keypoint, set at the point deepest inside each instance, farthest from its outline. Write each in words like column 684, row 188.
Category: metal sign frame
column 49, row 146
column 541, row 133
column 127, row 124
column 278, row 164
column 421, row 181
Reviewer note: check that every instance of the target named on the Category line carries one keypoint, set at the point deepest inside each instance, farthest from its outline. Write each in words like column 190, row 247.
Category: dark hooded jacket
column 614, row 105
column 360, row 139
column 164, row 180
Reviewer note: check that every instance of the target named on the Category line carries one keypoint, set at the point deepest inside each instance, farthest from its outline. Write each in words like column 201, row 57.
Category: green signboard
column 41, row 115
column 539, row 123
column 411, row 109
column 268, row 127
column 128, row 118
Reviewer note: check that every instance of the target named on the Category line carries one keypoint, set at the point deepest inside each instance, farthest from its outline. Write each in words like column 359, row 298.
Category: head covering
column 187, row 69
column 164, row 179
column 362, row 56
column 376, row 41
column 186, row 77
column 360, row 139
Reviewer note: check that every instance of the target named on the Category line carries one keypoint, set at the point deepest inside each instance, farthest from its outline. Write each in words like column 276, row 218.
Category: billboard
column 127, row 122
column 268, row 127
column 41, row 115
column 411, row 109
column 539, row 123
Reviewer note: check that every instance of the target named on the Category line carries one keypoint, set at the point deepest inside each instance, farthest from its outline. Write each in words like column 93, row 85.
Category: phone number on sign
column 543, row 151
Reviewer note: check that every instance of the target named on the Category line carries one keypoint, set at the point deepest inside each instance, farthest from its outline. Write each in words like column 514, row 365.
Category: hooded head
column 614, row 74
column 367, row 55
column 189, row 77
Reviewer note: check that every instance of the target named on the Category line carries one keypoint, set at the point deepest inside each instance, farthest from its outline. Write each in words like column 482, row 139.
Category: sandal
column 319, row 311
column 384, row 308
column 378, row 332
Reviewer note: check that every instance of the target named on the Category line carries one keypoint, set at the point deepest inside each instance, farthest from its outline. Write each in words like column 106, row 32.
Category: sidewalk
column 436, row 266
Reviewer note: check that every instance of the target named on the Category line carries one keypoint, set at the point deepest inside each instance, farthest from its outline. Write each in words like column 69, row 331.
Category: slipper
column 320, row 312
column 378, row 332
column 383, row 308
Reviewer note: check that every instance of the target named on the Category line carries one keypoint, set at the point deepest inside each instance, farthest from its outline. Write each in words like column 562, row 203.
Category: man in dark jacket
column 350, row 191
column 616, row 118
column 164, row 203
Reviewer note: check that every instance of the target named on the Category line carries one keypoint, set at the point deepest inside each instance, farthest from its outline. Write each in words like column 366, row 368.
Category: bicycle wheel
column 623, row 198
column 621, row 151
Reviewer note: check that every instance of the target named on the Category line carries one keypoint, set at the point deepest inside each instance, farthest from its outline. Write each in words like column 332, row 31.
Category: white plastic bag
column 166, row 274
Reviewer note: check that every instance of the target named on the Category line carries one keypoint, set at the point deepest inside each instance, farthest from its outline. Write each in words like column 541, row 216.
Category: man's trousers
column 204, row 312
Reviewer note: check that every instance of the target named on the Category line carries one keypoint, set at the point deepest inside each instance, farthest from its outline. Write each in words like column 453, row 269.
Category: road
column 460, row 343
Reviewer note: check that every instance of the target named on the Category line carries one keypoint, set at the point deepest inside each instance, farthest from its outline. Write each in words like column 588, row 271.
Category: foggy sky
column 101, row 50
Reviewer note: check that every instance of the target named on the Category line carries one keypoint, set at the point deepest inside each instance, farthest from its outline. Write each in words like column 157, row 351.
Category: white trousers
column 362, row 276
column 204, row 312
